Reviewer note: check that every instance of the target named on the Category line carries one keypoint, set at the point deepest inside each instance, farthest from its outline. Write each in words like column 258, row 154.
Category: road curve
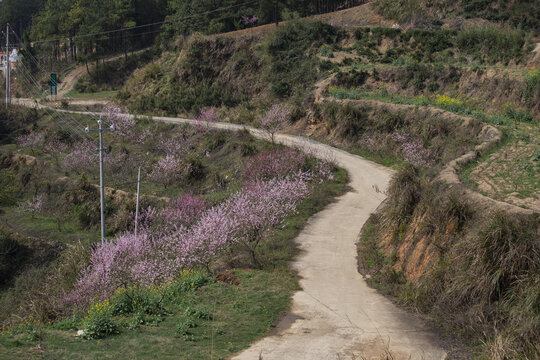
column 337, row 315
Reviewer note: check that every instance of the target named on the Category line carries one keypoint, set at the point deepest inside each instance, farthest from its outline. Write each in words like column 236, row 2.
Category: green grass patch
column 213, row 320
column 454, row 105
column 96, row 95
column 39, row 226
column 194, row 317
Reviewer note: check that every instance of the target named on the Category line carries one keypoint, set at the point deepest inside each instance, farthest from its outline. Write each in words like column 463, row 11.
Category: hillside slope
column 423, row 97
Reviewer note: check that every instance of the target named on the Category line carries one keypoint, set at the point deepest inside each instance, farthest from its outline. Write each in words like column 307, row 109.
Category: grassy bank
column 197, row 316
column 471, row 271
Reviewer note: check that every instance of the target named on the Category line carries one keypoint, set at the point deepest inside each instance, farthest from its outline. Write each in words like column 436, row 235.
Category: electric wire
column 36, row 62
column 145, row 25
column 30, row 82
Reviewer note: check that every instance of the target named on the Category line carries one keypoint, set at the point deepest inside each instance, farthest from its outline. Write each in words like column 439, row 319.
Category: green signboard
column 53, row 84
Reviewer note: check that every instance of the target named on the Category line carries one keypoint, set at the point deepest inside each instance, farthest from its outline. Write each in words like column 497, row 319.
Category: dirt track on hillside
column 68, row 82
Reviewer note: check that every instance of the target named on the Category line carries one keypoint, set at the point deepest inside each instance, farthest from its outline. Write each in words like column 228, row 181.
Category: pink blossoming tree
column 33, row 140
column 275, row 120
column 413, row 151
column 123, row 122
column 205, row 118
column 274, row 163
column 82, row 158
column 167, row 170
column 243, row 220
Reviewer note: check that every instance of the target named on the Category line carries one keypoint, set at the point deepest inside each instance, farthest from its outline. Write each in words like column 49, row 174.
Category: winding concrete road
column 336, row 315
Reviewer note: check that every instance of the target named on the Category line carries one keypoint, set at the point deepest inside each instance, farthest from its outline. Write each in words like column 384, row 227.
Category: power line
column 31, row 83
column 38, row 85
column 145, row 25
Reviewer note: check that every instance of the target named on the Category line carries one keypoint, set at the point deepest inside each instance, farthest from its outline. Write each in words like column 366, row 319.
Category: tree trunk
column 125, row 45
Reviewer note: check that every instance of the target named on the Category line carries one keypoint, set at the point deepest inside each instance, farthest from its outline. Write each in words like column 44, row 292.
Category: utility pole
column 101, row 183
column 8, row 69
column 138, row 197
column 276, row 12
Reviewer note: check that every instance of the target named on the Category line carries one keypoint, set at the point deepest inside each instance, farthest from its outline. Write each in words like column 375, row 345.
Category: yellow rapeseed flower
column 444, row 100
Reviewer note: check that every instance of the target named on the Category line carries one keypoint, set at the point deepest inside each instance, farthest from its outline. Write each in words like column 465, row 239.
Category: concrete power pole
column 8, row 69
column 276, row 12
column 138, row 198
column 101, row 182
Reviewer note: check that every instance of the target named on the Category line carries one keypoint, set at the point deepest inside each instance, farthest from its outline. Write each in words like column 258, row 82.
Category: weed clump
column 404, row 193
column 99, row 323
column 492, row 42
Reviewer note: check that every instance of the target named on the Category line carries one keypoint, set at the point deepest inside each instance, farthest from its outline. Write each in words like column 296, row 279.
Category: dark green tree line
column 211, row 16
column 19, row 13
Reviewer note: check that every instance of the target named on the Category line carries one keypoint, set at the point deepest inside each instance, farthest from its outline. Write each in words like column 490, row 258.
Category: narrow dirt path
column 337, row 315
column 69, row 81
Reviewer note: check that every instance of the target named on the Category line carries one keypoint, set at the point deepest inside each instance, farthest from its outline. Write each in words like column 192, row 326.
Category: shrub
column 199, row 313
column 400, row 10
column 291, row 63
column 13, row 120
column 351, row 79
column 215, row 140
column 187, row 281
column 532, row 88
column 353, row 121
column 12, row 255
column 98, row 323
column 138, row 300
column 113, row 74
column 281, row 88
column 9, row 188
column 389, row 122
column 326, row 51
column 433, row 86
column 450, row 103
column 404, row 194
column 195, row 169
column 430, row 41
column 183, row 328
column 385, row 31
column 492, row 43
column 360, row 32
column 520, row 13
column 516, row 114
